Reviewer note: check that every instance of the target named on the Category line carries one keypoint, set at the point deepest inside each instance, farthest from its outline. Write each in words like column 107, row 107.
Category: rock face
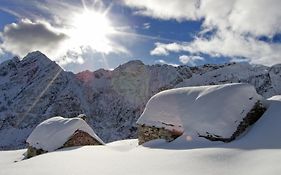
column 31, row 152
column 35, row 88
column 81, row 138
column 147, row 133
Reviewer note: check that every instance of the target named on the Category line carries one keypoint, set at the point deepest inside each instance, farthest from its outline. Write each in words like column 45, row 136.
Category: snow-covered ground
column 257, row 153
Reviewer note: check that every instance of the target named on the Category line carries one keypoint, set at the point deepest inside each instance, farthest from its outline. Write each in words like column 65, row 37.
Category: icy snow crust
column 215, row 109
column 54, row 132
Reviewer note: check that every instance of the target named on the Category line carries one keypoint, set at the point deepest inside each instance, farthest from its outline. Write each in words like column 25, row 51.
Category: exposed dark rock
column 83, row 117
column 31, row 152
column 81, row 138
column 147, row 133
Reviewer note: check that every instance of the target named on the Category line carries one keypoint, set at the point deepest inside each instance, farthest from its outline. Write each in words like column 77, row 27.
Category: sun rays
column 25, row 114
column 92, row 28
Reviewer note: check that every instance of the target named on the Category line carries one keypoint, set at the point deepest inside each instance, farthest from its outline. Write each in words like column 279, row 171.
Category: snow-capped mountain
column 36, row 88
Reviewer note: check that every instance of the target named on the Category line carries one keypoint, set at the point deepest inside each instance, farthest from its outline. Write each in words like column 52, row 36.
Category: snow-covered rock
column 53, row 133
column 35, row 88
column 202, row 110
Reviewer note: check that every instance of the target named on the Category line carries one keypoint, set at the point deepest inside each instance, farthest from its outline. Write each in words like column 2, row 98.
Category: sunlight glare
column 92, row 29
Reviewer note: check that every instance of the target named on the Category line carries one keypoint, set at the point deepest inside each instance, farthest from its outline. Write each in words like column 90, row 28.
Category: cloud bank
column 26, row 36
column 232, row 28
column 189, row 59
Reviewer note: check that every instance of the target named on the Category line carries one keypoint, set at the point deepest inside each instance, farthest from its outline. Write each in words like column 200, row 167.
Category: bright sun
column 92, row 29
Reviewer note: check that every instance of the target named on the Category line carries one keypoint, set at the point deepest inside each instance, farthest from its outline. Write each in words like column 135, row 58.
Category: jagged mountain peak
column 35, row 54
column 15, row 59
column 130, row 65
column 133, row 62
column 39, row 58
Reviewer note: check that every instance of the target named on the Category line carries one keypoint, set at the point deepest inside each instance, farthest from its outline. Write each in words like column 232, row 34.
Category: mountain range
column 35, row 88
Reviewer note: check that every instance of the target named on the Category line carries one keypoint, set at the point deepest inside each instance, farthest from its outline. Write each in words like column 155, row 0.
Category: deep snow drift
column 214, row 109
column 54, row 132
column 257, row 153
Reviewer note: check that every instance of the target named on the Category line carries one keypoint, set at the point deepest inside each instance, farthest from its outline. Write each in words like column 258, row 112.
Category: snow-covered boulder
column 59, row 132
column 214, row 112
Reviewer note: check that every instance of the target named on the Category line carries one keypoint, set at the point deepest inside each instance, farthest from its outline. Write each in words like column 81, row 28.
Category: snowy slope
column 236, row 73
column 216, row 109
column 257, row 153
column 54, row 132
column 35, row 88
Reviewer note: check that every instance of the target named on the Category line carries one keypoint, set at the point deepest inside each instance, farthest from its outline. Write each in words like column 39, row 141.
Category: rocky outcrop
column 147, row 133
column 31, row 152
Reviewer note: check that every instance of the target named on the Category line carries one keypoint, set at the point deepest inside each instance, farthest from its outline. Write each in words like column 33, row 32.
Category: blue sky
column 93, row 34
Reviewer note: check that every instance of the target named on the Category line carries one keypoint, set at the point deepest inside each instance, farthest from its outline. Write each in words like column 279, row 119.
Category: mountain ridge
column 36, row 88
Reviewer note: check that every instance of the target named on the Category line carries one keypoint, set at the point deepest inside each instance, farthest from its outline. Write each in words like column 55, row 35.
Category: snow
column 214, row 109
column 54, row 132
column 239, row 72
column 266, row 132
column 113, row 100
column 258, row 153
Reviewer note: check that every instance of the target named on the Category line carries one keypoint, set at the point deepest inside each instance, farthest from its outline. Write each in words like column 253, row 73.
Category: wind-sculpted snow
column 35, row 88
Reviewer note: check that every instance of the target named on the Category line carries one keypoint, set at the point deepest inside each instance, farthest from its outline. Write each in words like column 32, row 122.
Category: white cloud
column 191, row 59
column 26, row 36
column 160, row 61
column 163, row 49
column 159, row 50
column 255, row 17
column 236, row 26
column 166, row 9
column 234, row 45
column 146, row 25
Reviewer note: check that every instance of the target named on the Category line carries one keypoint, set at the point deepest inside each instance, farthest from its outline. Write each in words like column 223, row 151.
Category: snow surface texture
column 35, row 88
column 216, row 109
column 54, row 132
column 257, row 153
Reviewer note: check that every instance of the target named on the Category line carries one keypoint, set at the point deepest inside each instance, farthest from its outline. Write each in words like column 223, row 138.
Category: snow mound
column 200, row 110
column 51, row 134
